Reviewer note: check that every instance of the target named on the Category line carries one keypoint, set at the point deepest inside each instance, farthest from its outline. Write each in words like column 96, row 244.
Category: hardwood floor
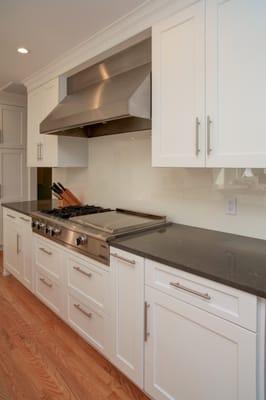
column 41, row 358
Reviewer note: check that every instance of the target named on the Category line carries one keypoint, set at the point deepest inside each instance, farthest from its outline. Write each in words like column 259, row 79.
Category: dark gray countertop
column 233, row 260
column 27, row 207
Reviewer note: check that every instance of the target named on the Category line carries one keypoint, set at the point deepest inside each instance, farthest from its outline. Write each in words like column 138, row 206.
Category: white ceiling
column 48, row 28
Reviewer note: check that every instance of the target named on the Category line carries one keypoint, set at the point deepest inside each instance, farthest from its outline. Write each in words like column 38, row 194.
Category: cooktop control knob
column 49, row 230
column 34, row 224
column 41, row 225
column 57, row 231
column 81, row 240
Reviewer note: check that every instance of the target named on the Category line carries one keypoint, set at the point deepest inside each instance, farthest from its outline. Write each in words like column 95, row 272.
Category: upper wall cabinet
column 227, row 81
column 12, row 126
column 45, row 150
column 178, row 89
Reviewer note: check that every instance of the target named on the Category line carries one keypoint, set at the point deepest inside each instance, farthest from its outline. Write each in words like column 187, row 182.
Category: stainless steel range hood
column 108, row 98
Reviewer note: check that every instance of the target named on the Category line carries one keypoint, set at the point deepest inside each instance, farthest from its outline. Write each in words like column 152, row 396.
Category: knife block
column 62, row 203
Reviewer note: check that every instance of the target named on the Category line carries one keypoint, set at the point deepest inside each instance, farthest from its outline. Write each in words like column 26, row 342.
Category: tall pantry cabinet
column 13, row 171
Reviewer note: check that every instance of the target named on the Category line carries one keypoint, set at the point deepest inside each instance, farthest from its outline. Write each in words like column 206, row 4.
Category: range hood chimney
column 108, row 98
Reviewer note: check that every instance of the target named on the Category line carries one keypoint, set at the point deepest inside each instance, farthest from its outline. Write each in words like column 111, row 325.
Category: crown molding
column 13, row 99
column 139, row 20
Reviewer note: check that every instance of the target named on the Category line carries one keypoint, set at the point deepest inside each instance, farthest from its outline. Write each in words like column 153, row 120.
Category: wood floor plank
column 41, row 358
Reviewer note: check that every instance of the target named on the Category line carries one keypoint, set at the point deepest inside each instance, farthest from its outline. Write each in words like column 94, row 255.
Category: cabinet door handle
column 49, row 285
column 49, row 253
column 146, row 333
column 41, row 151
column 197, row 136
column 38, row 151
column 88, row 274
column 10, row 216
column 178, row 285
column 132, row 262
column 78, row 307
column 24, row 219
column 209, row 122
column 18, row 249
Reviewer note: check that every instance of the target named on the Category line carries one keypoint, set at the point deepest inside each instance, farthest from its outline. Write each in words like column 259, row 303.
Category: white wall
column 119, row 174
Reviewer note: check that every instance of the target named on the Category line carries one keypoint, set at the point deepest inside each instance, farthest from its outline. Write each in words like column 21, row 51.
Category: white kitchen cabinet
column 13, row 175
column 13, row 178
column 12, row 126
column 178, row 68
column 18, row 246
column 51, row 150
column 193, row 355
column 12, row 246
column 128, row 314
column 208, row 102
column 236, row 84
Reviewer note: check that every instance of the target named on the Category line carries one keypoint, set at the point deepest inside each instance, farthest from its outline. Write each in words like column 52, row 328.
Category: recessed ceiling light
column 22, row 50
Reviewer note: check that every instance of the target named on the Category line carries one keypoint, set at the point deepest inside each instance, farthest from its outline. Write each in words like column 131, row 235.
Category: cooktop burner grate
column 75, row 211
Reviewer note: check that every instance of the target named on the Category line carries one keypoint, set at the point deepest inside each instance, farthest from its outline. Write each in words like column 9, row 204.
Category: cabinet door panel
column 13, row 175
column 12, row 247
column 236, row 84
column 128, row 271
column 12, row 126
column 178, row 89
column 192, row 355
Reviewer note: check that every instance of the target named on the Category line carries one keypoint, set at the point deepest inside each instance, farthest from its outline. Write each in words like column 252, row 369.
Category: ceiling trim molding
column 139, row 20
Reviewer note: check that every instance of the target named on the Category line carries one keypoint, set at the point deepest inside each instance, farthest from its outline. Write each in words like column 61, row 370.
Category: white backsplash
column 119, row 174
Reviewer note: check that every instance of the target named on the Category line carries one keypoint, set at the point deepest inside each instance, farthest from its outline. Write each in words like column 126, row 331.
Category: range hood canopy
column 108, row 98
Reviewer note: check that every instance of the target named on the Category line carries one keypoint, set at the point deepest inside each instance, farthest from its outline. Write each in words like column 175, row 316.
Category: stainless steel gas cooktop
column 87, row 229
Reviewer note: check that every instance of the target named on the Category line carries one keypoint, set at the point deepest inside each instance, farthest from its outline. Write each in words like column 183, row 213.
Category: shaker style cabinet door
column 235, row 83
column 178, row 70
column 12, row 246
column 42, row 150
column 13, row 180
column 193, row 355
column 128, row 314
column 12, row 126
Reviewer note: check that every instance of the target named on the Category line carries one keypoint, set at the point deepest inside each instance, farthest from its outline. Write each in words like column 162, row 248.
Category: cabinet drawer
column 49, row 291
column 48, row 257
column 226, row 302
column 16, row 216
column 88, row 279
column 85, row 320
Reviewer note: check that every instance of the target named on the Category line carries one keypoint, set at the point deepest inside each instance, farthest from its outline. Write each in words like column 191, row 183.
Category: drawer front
column 88, row 279
column 49, row 291
column 16, row 216
column 48, row 257
column 85, row 320
column 226, row 302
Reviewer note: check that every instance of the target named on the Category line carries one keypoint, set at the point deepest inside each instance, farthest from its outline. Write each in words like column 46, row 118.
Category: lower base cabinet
column 194, row 340
column 193, row 355
column 128, row 314
column 18, row 246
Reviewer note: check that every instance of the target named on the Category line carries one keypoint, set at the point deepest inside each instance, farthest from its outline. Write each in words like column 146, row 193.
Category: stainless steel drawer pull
column 24, row 219
column 197, row 136
column 177, row 285
column 10, row 216
column 88, row 274
column 132, row 262
column 209, row 122
column 146, row 333
column 18, row 248
column 45, row 251
column 87, row 314
column 50, row 285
